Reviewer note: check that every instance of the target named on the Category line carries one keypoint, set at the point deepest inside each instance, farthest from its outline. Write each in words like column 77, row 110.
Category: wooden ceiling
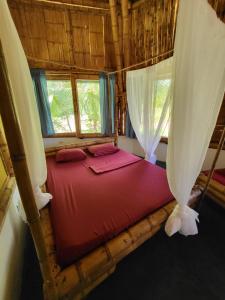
column 67, row 35
column 79, row 36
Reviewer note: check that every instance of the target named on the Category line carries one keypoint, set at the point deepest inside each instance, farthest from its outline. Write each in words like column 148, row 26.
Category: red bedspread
column 88, row 209
column 218, row 175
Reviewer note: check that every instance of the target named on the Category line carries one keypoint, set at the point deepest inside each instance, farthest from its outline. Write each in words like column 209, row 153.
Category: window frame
column 73, row 77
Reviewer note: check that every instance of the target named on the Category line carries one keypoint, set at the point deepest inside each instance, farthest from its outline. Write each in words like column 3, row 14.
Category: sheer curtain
column 199, row 83
column 149, row 98
column 25, row 103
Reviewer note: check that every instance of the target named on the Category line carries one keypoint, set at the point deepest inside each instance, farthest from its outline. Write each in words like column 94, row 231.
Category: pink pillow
column 70, row 155
column 103, row 149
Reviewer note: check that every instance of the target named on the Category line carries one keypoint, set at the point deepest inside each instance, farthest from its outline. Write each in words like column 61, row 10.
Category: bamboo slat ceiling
column 72, row 35
column 69, row 36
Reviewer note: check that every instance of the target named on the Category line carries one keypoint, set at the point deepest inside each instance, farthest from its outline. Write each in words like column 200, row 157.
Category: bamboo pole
column 126, row 53
column 16, row 148
column 65, row 4
column 72, row 68
column 151, row 60
column 115, row 33
column 126, row 40
column 220, row 146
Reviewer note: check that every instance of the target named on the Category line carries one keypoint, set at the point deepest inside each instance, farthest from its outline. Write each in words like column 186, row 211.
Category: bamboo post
column 115, row 33
column 220, row 146
column 126, row 52
column 126, row 40
column 16, row 148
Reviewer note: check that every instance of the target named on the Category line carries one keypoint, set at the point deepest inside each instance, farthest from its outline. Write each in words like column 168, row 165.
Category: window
column 89, row 106
column 61, row 105
column 74, row 103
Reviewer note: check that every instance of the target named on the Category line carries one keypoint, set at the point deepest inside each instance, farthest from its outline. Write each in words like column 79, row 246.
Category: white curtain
column 149, row 98
column 25, row 103
column 199, row 83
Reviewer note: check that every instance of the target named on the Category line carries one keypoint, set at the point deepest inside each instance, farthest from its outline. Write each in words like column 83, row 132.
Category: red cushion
column 103, row 149
column 70, row 155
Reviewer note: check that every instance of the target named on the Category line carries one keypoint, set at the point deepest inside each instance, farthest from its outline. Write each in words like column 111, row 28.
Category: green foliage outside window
column 89, row 105
column 61, row 105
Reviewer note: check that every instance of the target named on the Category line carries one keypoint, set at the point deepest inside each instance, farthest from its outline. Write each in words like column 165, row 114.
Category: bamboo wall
column 64, row 34
column 83, row 37
column 153, row 25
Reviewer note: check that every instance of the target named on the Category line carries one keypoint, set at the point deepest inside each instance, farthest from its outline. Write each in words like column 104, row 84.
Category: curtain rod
column 72, row 5
column 98, row 70
column 141, row 63
column 65, row 65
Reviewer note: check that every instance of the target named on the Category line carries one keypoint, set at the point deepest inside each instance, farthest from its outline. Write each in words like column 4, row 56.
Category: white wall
column 11, row 252
column 132, row 145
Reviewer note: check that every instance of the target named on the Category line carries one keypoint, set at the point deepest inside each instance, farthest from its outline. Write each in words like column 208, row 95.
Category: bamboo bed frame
column 215, row 190
column 77, row 280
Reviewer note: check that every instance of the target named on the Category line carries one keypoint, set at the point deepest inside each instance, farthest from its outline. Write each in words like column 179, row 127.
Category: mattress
column 88, row 209
column 218, row 175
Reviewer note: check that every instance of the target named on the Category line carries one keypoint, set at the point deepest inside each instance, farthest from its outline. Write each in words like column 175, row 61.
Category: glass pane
column 61, row 105
column 89, row 106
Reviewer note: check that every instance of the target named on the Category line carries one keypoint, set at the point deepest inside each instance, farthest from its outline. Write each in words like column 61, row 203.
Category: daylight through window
column 89, row 106
column 61, row 105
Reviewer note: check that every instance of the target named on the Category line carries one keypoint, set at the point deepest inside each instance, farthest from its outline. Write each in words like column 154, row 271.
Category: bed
column 98, row 206
column 84, row 237
column 216, row 188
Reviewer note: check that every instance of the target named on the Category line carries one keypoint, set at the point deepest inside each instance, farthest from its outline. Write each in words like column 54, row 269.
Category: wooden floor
column 163, row 268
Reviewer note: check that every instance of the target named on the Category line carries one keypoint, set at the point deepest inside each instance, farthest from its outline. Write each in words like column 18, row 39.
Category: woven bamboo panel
column 80, row 278
column 152, row 28
column 67, row 35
